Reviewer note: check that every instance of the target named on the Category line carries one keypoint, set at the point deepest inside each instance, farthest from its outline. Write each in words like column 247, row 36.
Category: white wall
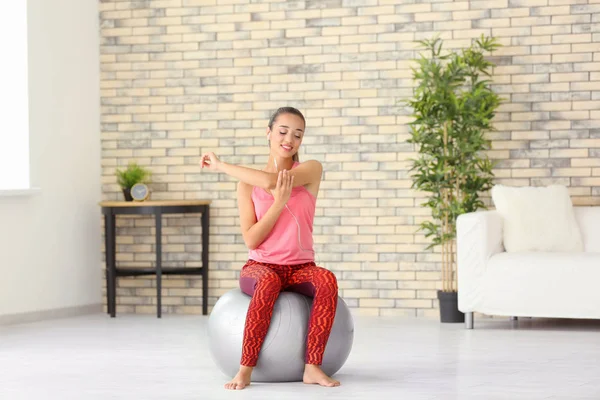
column 50, row 252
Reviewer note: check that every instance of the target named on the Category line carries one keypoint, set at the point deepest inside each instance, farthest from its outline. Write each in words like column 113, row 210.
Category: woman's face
column 286, row 135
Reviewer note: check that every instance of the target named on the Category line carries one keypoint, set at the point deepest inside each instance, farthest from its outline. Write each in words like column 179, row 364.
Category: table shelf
column 110, row 209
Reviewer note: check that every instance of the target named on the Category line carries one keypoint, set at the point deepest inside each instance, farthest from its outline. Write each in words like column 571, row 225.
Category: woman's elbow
column 250, row 244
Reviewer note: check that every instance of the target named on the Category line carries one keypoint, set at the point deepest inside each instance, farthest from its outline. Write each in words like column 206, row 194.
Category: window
column 14, row 98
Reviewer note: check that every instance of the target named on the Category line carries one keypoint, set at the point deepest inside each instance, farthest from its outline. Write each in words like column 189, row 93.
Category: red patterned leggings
column 264, row 282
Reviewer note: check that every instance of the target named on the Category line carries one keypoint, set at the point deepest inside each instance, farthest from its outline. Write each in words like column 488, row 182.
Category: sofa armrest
column 478, row 237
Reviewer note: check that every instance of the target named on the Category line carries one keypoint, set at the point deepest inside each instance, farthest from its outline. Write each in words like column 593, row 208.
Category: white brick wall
column 181, row 77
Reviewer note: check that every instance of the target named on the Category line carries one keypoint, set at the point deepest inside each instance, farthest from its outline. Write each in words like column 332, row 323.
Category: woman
column 277, row 208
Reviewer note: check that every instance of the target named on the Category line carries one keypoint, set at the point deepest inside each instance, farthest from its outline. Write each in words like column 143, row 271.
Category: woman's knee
column 327, row 279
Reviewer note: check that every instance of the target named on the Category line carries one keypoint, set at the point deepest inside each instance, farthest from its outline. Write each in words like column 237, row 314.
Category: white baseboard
column 35, row 316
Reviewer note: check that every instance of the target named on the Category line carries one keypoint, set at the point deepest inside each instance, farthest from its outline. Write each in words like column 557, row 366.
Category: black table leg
column 205, row 226
column 111, row 273
column 158, row 263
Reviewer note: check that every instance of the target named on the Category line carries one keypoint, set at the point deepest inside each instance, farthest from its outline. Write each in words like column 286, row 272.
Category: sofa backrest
column 588, row 219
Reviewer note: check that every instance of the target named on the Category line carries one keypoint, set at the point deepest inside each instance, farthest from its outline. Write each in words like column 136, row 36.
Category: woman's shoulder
column 252, row 192
column 244, row 189
column 309, row 164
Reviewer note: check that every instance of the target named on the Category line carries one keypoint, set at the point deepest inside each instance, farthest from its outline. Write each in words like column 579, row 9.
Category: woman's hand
column 209, row 160
column 283, row 188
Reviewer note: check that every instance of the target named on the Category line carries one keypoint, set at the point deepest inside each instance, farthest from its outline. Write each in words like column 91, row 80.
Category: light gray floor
column 141, row 357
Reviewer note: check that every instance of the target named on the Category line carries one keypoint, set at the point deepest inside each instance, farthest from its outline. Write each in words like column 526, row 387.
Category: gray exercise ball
column 281, row 358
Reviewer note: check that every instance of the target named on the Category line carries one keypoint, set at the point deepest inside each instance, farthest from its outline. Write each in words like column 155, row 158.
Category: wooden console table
column 112, row 208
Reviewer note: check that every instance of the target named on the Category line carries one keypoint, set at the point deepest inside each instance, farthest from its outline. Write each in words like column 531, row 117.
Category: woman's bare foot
column 241, row 380
column 314, row 374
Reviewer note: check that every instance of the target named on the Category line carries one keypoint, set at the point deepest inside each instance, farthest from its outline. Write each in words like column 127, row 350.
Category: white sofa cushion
column 537, row 219
column 588, row 219
column 552, row 285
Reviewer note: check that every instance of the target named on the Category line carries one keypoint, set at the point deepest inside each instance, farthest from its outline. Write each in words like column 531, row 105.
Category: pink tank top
column 281, row 244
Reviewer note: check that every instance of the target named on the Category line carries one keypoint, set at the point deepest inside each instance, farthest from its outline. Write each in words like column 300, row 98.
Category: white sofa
column 530, row 284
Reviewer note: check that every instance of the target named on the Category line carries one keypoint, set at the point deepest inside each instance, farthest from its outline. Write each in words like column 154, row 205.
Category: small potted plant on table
column 131, row 176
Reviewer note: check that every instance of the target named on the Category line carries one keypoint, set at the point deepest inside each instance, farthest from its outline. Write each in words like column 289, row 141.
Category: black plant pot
column 127, row 194
column 449, row 307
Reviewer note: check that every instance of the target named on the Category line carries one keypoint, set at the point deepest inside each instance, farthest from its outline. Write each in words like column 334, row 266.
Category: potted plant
column 453, row 108
column 130, row 176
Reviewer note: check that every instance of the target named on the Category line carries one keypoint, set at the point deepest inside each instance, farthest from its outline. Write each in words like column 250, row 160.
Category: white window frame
column 15, row 167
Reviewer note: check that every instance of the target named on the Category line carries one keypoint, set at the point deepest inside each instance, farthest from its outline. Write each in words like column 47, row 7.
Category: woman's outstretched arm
column 306, row 173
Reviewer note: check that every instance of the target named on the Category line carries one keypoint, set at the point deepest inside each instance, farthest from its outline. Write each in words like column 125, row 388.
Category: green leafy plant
column 453, row 108
column 131, row 175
